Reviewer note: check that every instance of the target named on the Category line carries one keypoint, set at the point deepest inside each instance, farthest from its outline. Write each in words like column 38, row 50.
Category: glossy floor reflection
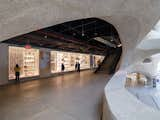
column 74, row 96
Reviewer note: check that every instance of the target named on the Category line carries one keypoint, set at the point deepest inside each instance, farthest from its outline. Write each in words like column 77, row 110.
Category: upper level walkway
column 73, row 96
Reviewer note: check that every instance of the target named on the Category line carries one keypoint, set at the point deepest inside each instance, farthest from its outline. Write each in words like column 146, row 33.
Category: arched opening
column 88, row 36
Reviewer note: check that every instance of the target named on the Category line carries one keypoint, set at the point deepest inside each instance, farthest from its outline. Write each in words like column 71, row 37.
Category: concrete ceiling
column 152, row 39
column 132, row 18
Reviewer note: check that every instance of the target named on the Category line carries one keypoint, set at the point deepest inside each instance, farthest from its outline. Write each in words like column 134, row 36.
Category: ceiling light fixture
column 74, row 34
column 82, row 29
column 120, row 45
column 95, row 31
column 45, row 36
column 83, row 34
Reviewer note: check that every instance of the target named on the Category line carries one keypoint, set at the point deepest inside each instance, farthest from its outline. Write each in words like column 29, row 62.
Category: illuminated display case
column 27, row 59
column 69, row 60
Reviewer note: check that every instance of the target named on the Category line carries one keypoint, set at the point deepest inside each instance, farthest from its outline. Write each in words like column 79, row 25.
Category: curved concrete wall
column 122, row 104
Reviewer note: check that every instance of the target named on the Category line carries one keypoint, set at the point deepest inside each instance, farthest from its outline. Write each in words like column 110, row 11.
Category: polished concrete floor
column 74, row 96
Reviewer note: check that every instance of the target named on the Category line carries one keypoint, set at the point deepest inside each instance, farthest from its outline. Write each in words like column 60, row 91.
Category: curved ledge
column 119, row 104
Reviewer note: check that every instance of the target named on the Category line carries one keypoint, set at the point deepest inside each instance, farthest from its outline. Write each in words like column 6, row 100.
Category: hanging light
column 82, row 33
column 45, row 36
column 95, row 32
column 74, row 34
column 83, row 30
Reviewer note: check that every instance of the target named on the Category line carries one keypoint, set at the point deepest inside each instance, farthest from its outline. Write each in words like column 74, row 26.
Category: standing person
column 17, row 72
column 78, row 67
column 62, row 67
column 98, row 63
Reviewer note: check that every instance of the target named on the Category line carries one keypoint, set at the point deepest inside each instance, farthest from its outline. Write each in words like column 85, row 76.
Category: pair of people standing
column 77, row 66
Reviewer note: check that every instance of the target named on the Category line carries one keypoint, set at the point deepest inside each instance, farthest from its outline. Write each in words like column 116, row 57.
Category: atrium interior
column 80, row 60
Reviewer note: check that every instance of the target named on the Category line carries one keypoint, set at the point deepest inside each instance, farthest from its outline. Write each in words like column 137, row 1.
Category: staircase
column 110, row 61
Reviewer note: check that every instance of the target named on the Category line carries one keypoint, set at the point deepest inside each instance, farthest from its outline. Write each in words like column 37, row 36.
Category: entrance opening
column 92, row 36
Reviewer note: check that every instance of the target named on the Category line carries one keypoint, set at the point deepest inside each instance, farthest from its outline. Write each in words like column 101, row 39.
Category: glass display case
column 27, row 59
column 69, row 60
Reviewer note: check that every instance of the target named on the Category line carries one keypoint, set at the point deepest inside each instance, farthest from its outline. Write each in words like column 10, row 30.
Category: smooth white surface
column 152, row 40
column 123, row 104
column 147, row 94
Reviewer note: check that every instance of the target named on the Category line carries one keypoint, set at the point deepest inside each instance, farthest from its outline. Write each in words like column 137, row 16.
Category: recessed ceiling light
column 45, row 36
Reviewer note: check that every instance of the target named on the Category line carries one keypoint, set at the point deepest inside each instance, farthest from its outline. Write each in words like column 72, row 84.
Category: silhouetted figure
column 17, row 72
column 78, row 67
column 62, row 67
column 98, row 63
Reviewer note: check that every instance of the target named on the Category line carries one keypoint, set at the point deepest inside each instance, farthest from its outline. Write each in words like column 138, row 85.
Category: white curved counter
column 122, row 104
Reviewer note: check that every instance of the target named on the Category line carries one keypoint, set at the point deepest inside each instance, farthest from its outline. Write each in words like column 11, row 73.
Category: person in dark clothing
column 17, row 72
column 78, row 67
column 62, row 67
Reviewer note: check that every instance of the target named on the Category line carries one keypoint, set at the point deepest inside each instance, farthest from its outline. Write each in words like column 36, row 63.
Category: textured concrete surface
column 132, row 19
column 3, row 64
column 70, row 97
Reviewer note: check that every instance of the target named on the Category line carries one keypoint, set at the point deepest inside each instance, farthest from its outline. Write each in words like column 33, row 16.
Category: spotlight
column 82, row 34
column 45, row 36
column 74, row 34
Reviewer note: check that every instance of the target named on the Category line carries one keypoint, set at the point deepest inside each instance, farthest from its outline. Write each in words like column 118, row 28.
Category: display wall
column 27, row 59
column 44, row 62
column 69, row 60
